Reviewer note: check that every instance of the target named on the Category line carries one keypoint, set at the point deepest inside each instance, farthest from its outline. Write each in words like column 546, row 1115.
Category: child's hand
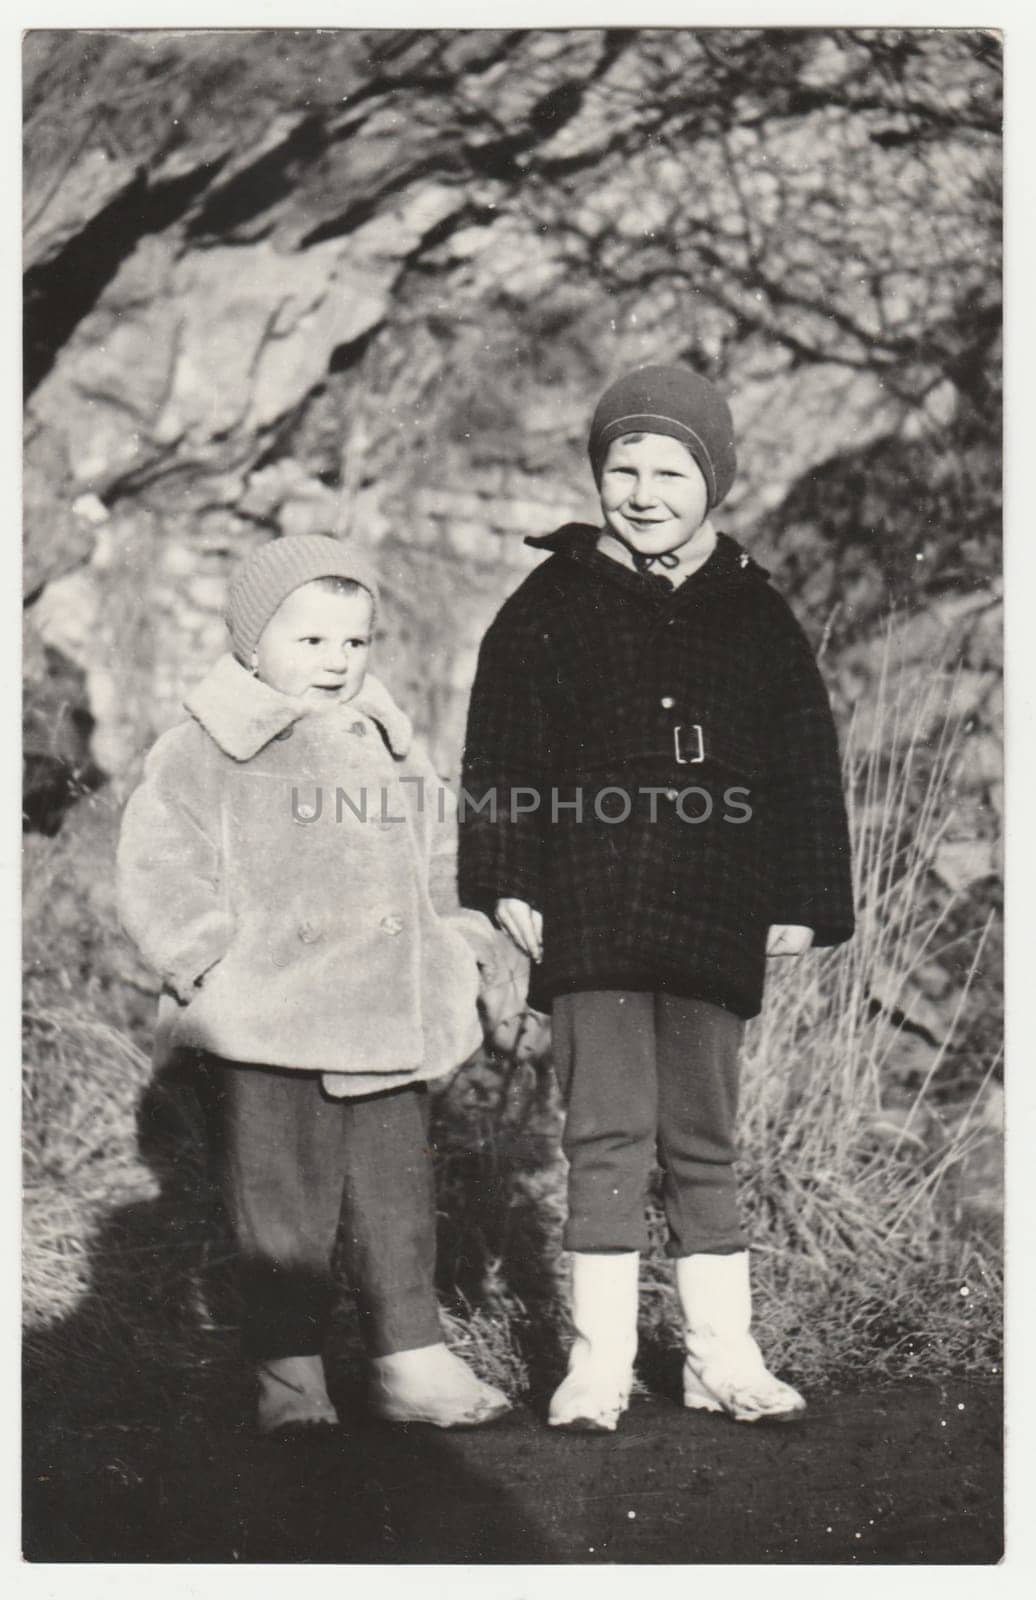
column 524, row 925
column 788, row 939
column 503, row 986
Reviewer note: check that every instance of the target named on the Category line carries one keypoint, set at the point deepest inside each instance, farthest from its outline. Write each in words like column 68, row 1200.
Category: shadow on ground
column 138, row 1445
column 137, row 1409
column 869, row 1478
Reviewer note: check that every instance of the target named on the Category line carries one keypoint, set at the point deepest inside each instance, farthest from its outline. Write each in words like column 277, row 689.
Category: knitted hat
column 275, row 571
column 677, row 402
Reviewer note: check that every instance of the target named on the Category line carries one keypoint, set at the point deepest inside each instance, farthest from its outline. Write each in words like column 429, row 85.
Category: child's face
column 316, row 644
column 653, row 494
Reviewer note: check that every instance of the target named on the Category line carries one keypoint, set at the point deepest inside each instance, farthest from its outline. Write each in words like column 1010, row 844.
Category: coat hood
column 242, row 714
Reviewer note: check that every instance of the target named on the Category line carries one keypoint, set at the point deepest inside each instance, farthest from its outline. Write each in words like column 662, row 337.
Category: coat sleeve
column 810, row 838
column 501, row 839
column 169, row 868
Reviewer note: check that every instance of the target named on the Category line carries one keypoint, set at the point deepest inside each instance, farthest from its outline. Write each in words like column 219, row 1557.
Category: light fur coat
column 287, row 930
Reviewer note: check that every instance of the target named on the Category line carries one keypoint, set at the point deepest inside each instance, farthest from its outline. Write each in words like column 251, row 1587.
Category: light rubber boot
column 596, row 1391
column 293, row 1395
column 724, row 1369
column 433, row 1385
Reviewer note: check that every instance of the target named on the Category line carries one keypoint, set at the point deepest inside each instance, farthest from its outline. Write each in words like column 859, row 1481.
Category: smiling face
column 317, row 643
column 653, row 494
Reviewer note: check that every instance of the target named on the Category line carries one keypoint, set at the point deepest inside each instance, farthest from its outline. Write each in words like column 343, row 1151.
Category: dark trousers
column 300, row 1169
column 646, row 1079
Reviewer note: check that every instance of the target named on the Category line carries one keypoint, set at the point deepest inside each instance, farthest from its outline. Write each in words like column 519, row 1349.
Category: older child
column 287, row 867
column 652, row 806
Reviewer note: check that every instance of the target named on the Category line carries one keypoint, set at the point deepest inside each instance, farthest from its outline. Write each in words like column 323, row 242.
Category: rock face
column 207, row 397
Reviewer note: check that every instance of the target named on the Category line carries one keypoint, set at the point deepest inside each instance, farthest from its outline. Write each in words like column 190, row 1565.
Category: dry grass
column 866, row 1255
column 869, row 1258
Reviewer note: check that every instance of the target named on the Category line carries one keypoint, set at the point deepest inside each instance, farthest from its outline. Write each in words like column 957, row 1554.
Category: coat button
column 359, row 728
column 667, row 702
column 392, row 923
column 308, row 933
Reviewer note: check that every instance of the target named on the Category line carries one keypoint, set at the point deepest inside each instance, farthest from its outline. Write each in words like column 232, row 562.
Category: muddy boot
column 600, row 1364
column 724, row 1369
column 433, row 1385
column 293, row 1395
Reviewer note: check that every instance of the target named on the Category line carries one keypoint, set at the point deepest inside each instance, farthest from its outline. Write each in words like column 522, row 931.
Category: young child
column 652, row 804
column 287, row 867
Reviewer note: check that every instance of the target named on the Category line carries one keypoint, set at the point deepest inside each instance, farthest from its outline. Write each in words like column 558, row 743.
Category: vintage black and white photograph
column 513, row 796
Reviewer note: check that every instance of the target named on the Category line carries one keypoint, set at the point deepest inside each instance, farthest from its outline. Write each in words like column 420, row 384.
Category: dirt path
column 892, row 1475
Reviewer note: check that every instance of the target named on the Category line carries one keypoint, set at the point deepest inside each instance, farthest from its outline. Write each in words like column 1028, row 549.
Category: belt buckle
column 681, row 759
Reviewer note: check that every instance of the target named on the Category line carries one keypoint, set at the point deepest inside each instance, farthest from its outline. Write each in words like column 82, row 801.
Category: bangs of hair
column 638, row 438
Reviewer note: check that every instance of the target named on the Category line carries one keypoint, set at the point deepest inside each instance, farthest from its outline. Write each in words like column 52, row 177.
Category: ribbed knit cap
column 673, row 401
column 277, row 569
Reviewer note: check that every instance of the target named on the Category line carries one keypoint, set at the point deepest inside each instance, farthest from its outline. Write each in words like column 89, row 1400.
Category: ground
column 890, row 1475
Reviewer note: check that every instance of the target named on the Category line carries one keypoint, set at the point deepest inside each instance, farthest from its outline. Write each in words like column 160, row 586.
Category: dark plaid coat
column 702, row 702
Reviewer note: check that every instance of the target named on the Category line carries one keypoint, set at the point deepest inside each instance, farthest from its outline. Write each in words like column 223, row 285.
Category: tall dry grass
column 856, row 1168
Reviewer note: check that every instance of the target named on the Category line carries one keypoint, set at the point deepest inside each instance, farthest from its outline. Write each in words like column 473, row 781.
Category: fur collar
column 243, row 714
